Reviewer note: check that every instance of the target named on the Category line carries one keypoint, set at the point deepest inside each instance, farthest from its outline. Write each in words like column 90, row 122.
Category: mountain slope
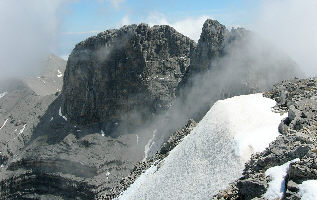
column 124, row 94
column 50, row 79
column 213, row 154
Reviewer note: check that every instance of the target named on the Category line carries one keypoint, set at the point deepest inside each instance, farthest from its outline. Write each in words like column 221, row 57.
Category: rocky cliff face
column 211, row 45
column 128, row 75
column 135, row 69
column 238, row 55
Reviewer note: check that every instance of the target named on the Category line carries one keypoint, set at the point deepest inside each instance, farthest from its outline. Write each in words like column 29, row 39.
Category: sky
column 32, row 29
column 84, row 18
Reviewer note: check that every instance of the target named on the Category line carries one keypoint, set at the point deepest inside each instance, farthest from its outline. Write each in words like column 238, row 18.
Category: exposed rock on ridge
column 298, row 140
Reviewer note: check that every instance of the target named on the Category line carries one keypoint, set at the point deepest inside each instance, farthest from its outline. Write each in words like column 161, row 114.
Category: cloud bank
column 291, row 25
column 28, row 33
column 190, row 26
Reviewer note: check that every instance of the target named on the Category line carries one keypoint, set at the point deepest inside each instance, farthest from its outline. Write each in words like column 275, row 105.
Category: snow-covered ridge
column 213, row 155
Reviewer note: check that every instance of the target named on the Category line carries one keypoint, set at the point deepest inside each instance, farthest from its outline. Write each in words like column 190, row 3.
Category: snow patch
column 60, row 114
column 21, row 131
column 102, row 133
column 213, row 154
column 255, row 126
column 59, row 73
column 3, row 94
column 4, row 124
column 277, row 185
column 308, row 190
column 148, row 145
column 138, row 184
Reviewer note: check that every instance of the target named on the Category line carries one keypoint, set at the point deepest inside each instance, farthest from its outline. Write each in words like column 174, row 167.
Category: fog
column 28, row 34
column 30, row 30
column 291, row 25
column 249, row 64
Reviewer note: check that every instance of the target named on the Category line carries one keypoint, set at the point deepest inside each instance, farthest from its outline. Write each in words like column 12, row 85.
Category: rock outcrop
column 238, row 55
column 125, row 74
column 227, row 63
column 298, row 140
column 210, row 46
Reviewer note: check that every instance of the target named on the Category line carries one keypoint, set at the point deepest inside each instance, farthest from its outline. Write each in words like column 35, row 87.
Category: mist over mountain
column 128, row 97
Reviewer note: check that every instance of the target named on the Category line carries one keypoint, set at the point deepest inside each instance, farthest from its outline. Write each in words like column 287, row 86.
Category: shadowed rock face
column 135, row 69
column 210, row 45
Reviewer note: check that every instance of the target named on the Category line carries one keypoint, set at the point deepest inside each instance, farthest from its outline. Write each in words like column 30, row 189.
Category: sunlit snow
column 4, row 123
column 21, row 131
column 60, row 114
column 149, row 144
column 254, row 125
column 277, row 184
column 139, row 183
column 3, row 94
column 308, row 190
column 213, row 155
column 59, row 73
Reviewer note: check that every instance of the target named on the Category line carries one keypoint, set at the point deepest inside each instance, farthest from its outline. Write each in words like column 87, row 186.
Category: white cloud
column 115, row 3
column 291, row 25
column 82, row 33
column 65, row 57
column 189, row 26
column 125, row 20
column 28, row 33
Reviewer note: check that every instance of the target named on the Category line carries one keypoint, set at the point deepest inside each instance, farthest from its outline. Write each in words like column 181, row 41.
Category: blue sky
column 83, row 18
column 41, row 27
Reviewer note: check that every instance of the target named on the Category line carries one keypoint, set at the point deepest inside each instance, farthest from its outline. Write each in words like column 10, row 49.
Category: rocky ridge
column 297, row 140
column 140, row 167
column 119, row 78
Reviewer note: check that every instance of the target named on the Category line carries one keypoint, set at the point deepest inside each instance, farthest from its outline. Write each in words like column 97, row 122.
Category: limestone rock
column 127, row 73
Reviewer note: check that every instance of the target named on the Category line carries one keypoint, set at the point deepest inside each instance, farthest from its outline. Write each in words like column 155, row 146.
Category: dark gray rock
column 125, row 74
column 211, row 45
column 229, row 63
